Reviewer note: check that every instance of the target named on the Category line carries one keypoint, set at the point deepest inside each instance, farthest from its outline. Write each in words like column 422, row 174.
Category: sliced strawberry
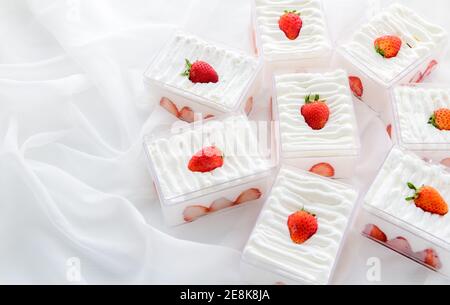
column 431, row 67
column 446, row 162
column 356, row 86
column 323, row 169
column 248, row 195
column 193, row 212
column 374, row 232
column 417, row 78
column 220, row 204
column 169, row 106
column 401, row 245
column 209, row 116
column 187, row 115
column 249, row 105
column 429, row 257
column 389, row 130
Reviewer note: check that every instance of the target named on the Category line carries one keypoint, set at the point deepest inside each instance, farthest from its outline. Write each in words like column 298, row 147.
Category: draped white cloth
column 74, row 187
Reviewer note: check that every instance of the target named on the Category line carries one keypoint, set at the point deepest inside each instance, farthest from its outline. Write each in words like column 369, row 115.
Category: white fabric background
column 73, row 179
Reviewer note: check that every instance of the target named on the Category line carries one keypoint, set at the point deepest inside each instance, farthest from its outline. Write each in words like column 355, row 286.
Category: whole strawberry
column 206, row 160
column 428, row 199
column 388, row 46
column 291, row 24
column 302, row 226
column 315, row 112
column 441, row 119
column 200, row 72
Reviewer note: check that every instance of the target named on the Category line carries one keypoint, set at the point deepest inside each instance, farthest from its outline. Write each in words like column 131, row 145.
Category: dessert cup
column 337, row 145
column 238, row 73
column 270, row 255
column 187, row 194
column 407, row 228
column 413, row 105
column 312, row 48
column 423, row 45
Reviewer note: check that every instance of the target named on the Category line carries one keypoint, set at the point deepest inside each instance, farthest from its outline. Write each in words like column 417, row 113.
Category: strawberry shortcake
column 317, row 128
column 300, row 230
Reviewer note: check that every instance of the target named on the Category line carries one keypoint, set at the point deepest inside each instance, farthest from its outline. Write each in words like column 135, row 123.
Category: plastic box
column 292, row 55
column 410, row 231
column 245, row 176
column 336, row 145
column 239, row 79
column 271, row 257
column 412, row 107
column 376, row 76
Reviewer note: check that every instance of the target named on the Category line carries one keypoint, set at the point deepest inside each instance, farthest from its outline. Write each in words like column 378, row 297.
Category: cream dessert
column 339, row 136
column 390, row 195
column 271, row 245
column 419, row 39
column 414, row 105
column 312, row 41
column 235, row 71
column 180, row 171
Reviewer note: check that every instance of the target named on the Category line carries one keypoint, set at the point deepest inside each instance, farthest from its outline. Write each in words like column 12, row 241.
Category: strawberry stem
column 432, row 121
column 188, row 67
column 416, row 192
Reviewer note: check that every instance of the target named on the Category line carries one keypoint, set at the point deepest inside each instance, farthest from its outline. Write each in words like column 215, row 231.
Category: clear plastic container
column 399, row 225
column 271, row 257
column 187, row 194
column 412, row 106
column 414, row 63
column 239, row 79
column 336, row 147
column 280, row 54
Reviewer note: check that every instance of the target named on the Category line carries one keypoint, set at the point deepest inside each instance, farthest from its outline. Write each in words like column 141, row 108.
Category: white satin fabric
column 74, row 188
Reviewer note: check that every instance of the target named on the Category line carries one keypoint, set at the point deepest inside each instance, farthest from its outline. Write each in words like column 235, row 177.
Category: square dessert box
column 423, row 45
column 271, row 257
column 185, row 194
column 406, row 229
column 313, row 47
column 337, row 145
column 239, row 79
column 412, row 106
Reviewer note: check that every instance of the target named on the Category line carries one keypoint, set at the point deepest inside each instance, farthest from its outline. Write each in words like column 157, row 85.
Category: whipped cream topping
column 235, row 136
column 235, row 70
column 339, row 134
column 389, row 191
column 270, row 244
column 313, row 41
column 415, row 105
column 423, row 39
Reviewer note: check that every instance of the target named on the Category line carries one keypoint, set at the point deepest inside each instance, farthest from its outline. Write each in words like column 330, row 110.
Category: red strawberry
column 248, row 195
column 291, row 24
column 356, row 86
column 323, row 169
column 428, row 199
column 187, row 115
column 440, row 119
column 249, row 105
column 389, row 130
column 200, row 72
column 315, row 112
column 429, row 257
column 388, row 46
column 169, row 106
column 302, row 226
column 220, row 204
column 206, row 160
column 375, row 232
column 431, row 67
column 401, row 245
column 446, row 162
column 193, row 212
